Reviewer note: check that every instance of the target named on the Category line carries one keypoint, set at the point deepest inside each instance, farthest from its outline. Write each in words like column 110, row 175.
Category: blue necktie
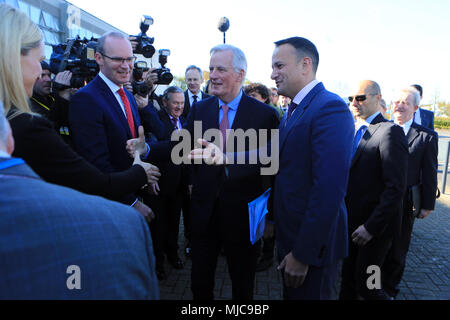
column 359, row 134
column 291, row 109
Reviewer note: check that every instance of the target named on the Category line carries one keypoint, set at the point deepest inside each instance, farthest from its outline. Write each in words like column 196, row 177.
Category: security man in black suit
column 193, row 94
column 422, row 174
column 376, row 186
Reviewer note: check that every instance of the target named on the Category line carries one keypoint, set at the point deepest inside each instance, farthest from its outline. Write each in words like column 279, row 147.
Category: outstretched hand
column 137, row 144
column 211, row 154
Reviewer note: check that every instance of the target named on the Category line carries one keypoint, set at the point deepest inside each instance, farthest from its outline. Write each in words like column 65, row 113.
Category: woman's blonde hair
column 18, row 35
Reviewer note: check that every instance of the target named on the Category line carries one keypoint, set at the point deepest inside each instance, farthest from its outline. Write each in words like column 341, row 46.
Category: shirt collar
column 304, row 92
column 406, row 126
column 234, row 103
column 111, row 85
column 360, row 122
column 191, row 95
column 3, row 154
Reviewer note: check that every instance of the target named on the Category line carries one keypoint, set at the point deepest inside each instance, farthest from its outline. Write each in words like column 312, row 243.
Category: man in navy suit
column 167, row 204
column 315, row 144
column 103, row 115
column 423, row 117
column 376, row 186
column 57, row 243
column 194, row 79
column 422, row 173
column 220, row 196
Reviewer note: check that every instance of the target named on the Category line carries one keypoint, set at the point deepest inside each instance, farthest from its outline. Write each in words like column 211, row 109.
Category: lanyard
column 41, row 104
column 11, row 163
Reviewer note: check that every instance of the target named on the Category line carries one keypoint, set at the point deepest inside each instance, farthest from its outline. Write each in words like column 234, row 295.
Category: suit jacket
column 309, row 189
column 100, row 129
column 171, row 174
column 187, row 105
column 210, row 183
column 37, row 142
column 377, row 180
column 427, row 118
column 422, row 162
column 45, row 228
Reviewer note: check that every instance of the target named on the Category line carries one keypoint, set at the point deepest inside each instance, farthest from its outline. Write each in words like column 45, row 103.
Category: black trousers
column 354, row 269
column 394, row 265
column 165, row 227
column 241, row 259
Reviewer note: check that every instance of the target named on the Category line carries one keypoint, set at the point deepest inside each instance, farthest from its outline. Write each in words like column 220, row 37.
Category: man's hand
column 361, row 236
column 152, row 171
column 63, row 78
column 211, row 154
column 294, row 271
column 141, row 101
column 128, row 86
column 137, row 144
column 154, row 189
column 145, row 211
column 150, row 77
column 423, row 213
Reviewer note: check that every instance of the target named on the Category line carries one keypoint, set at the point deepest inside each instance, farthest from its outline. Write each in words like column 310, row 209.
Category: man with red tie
column 103, row 115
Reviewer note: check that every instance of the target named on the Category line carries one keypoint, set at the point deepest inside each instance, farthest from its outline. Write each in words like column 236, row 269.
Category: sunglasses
column 360, row 97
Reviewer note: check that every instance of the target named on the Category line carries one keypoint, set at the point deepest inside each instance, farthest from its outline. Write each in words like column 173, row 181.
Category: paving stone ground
column 427, row 273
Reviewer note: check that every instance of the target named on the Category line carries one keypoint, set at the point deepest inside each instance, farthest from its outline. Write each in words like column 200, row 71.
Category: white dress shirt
column 191, row 97
column 406, row 126
column 114, row 88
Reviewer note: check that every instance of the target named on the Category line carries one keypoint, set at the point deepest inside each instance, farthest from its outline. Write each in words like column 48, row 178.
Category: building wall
column 59, row 20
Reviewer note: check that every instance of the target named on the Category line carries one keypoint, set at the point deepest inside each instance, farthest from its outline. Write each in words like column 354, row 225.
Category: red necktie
column 126, row 104
column 223, row 126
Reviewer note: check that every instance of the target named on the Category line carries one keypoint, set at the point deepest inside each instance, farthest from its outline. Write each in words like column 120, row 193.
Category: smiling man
column 103, row 115
column 422, row 176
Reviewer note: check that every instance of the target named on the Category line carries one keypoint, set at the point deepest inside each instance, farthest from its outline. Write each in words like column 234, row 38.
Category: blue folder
column 257, row 210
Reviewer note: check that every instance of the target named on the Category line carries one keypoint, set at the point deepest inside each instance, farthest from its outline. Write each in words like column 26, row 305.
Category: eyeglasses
column 119, row 60
column 360, row 97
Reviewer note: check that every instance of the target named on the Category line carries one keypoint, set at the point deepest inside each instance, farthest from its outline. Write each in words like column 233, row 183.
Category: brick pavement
column 426, row 276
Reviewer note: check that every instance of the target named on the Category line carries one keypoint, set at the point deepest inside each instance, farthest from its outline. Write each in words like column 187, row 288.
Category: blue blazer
column 100, row 129
column 45, row 228
column 427, row 118
column 309, row 190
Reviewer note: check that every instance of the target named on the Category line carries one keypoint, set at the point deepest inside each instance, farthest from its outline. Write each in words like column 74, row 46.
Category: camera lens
column 148, row 51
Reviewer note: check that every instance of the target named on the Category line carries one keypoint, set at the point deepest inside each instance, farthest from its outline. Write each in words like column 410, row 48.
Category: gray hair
column 169, row 90
column 192, row 67
column 110, row 34
column 415, row 94
column 239, row 60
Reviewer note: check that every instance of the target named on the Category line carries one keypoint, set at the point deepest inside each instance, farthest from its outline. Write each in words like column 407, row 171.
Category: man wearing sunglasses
column 103, row 115
column 376, row 186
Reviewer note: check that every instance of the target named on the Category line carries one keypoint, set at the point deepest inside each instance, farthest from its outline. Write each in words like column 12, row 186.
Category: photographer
column 36, row 142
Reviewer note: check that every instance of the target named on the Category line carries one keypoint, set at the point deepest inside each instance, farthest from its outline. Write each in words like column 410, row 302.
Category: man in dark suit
column 58, row 243
column 220, row 196
column 193, row 94
column 314, row 159
column 423, row 117
column 167, row 204
column 376, row 186
column 194, row 79
column 422, row 171
column 103, row 115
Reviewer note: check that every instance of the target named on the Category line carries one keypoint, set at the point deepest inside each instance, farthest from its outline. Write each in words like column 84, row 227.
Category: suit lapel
column 365, row 138
column 298, row 113
column 413, row 133
column 242, row 113
column 113, row 104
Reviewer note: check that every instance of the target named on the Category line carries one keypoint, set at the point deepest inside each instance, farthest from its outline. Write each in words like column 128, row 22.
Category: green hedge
column 441, row 123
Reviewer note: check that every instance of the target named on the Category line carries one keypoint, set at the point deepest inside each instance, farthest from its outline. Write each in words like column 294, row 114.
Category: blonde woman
column 36, row 142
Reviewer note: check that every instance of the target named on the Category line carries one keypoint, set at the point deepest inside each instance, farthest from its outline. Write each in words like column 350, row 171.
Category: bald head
column 365, row 99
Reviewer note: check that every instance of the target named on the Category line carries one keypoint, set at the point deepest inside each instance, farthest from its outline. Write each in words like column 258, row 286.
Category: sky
column 395, row 42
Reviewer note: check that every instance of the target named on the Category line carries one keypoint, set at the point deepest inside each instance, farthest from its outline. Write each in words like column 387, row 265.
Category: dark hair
column 418, row 88
column 259, row 88
column 304, row 48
